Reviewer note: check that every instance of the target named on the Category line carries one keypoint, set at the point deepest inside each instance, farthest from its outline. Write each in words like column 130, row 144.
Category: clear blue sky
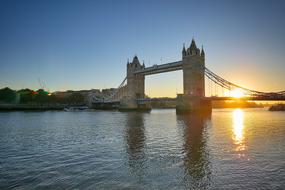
column 85, row 44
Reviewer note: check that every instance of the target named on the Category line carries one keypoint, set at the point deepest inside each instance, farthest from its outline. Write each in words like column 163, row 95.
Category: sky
column 84, row 44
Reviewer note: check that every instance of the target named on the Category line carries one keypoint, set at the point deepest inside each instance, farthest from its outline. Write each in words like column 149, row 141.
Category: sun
column 237, row 93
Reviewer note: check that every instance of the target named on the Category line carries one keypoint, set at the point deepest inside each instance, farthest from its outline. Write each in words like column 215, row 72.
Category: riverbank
column 30, row 107
column 24, row 107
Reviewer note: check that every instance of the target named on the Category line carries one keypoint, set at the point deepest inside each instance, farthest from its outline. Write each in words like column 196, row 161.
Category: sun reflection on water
column 238, row 132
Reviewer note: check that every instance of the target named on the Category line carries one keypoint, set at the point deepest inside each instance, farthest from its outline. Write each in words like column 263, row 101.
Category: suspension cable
column 229, row 86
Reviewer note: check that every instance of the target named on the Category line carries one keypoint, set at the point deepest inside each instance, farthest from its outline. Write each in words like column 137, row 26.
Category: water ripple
column 158, row 150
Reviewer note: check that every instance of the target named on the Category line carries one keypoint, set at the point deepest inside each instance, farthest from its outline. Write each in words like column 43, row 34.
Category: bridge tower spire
column 183, row 50
column 202, row 52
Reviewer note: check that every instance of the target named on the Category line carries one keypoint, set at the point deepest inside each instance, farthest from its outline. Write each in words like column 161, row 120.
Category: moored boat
column 77, row 108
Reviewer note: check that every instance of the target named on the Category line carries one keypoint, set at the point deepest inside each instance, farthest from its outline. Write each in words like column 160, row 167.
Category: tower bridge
column 130, row 95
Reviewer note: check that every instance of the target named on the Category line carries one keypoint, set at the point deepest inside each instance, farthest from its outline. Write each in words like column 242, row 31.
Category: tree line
column 40, row 96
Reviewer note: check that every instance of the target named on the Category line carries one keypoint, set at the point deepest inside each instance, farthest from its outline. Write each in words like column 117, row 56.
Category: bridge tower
column 193, row 97
column 135, row 86
column 193, row 63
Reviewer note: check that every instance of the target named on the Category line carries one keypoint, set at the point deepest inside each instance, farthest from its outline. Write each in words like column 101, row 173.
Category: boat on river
column 77, row 108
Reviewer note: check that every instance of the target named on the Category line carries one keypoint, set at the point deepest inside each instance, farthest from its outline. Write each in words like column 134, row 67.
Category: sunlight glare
column 238, row 117
column 237, row 93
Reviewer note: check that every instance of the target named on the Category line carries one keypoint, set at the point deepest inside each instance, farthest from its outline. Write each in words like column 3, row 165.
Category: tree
column 7, row 95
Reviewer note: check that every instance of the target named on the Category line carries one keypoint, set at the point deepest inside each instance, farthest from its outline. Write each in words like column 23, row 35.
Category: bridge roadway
column 213, row 98
column 216, row 98
column 273, row 98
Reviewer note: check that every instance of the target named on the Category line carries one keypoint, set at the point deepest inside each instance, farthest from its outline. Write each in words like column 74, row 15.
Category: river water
column 231, row 149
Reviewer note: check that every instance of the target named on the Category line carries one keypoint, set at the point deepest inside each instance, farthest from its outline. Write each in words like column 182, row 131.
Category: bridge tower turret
column 183, row 51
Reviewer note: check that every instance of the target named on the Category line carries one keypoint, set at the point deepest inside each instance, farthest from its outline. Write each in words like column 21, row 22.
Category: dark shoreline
column 62, row 107
column 28, row 107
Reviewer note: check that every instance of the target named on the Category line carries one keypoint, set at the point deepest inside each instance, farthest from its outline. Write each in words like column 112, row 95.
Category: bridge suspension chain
column 225, row 84
column 115, row 93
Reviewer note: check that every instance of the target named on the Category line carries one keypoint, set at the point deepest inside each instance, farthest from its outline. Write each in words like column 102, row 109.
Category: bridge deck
column 248, row 98
column 215, row 98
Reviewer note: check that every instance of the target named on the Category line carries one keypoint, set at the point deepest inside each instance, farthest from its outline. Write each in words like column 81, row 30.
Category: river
column 231, row 149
